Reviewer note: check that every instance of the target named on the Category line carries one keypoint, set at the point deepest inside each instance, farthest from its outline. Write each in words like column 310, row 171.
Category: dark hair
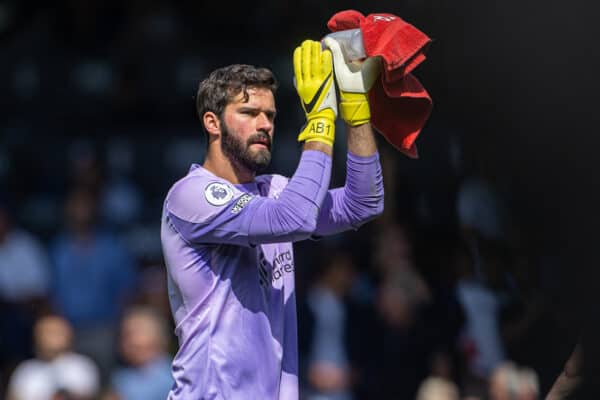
column 223, row 84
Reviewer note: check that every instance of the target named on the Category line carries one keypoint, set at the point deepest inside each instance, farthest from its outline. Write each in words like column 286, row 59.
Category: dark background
column 514, row 82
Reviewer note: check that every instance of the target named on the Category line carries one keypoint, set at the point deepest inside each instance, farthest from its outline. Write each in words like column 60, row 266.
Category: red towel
column 400, row 105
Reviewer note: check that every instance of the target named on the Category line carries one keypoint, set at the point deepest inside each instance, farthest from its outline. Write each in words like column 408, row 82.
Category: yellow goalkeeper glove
column 354, row 79
column 313, row 70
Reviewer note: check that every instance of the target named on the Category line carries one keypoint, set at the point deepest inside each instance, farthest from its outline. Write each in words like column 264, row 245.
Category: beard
column 241, row 154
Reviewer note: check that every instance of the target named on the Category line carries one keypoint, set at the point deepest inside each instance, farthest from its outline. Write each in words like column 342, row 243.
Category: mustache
column 260, row 137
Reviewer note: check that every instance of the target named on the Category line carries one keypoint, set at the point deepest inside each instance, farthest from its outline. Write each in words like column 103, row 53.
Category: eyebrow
column 270, row 112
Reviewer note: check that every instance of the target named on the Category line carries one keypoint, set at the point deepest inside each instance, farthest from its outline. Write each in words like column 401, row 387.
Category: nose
column 263, row 123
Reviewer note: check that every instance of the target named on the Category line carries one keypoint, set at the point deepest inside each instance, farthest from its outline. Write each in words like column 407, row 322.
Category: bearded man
column 227, row 232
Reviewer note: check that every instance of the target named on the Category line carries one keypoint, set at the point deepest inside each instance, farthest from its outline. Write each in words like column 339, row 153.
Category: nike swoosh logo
column 309, row 106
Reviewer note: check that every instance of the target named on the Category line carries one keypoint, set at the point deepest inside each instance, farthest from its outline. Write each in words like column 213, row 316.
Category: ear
column 212, row 123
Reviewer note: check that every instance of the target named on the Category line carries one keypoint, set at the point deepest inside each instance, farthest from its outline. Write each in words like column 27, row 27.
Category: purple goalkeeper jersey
column 228, row 252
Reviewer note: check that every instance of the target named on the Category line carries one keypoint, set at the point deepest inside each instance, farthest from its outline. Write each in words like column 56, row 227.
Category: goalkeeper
column 227, row 232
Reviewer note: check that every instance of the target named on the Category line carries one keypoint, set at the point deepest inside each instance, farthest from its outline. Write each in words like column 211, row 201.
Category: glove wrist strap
column 354, row 108
column 320, row 128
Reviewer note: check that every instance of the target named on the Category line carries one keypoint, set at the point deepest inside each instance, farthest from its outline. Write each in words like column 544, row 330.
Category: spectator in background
column 395, row 264
column 85, row 169
column 403, row 341
column 93, row 275
column 403, row 338
column 143, row 346
column 436, row 388
column 152, row 288
column 56, row 370
column 393, row 250
column 529, row 384
column 121, row 203
column 481, row 212
column 329, row 369
column 511, row 382
column 481, row 342
column 24, row 283
column 402, row 290
column 485, row 229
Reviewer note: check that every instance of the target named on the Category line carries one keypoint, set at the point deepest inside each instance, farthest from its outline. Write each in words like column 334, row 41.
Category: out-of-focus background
column 478, row 282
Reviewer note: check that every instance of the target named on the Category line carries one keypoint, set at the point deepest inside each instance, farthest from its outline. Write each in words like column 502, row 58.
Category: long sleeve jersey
column 228, row 252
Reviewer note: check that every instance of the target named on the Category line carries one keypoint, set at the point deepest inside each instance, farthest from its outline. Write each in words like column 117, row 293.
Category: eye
column 248, row 112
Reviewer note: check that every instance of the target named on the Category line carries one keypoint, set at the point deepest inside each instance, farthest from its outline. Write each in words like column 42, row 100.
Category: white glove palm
column 354, row 79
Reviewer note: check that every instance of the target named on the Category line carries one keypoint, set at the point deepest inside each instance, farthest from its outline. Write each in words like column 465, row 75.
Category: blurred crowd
column 440, row 298
column 82, row 317
column 446, row 296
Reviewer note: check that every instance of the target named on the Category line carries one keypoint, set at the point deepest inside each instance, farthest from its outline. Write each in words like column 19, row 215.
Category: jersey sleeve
column 211, row 211
column 360, row 200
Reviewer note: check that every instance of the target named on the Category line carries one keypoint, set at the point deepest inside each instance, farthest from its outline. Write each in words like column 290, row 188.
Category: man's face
column 140, row 339
column 247, row 129
column 53, row 336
